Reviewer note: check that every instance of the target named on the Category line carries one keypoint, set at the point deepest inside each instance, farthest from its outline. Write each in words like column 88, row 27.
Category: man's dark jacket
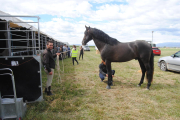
column 48, row 60
column 103, row 70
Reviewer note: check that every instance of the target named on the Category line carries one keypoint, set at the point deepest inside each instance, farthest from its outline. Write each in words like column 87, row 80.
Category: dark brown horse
column 114, row 51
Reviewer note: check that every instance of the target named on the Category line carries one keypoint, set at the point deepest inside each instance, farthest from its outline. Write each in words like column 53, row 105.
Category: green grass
column 82, row 96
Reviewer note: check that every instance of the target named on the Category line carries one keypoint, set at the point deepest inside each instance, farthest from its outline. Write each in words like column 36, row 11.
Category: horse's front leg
column 109, row 72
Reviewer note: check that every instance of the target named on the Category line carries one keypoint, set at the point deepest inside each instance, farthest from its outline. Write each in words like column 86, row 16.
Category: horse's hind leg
column 108, row 67
column 143, row 69
column 148, row 75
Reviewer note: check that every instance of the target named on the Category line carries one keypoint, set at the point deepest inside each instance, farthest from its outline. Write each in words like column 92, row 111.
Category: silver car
column 86, row 48
column 170, row 62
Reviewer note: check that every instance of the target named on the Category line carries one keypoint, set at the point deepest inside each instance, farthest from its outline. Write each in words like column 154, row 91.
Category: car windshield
column 177, row 54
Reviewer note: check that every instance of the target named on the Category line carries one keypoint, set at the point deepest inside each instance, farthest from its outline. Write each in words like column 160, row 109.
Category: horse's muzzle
column 83, row 43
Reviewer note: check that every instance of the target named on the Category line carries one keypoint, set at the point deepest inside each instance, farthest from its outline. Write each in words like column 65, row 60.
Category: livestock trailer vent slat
column 20, row 50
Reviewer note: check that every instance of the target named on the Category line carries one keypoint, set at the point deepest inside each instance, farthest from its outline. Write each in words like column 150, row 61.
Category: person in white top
column 64, row 51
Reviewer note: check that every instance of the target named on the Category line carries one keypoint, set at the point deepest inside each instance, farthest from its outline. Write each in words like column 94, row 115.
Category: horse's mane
column 100, row 35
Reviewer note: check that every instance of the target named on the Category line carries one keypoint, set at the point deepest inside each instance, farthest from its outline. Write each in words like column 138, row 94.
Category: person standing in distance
column 69, row 51
column 74, row 53
column 81, row 52
column 58, row 49
column 64, row 51
column 49, row 65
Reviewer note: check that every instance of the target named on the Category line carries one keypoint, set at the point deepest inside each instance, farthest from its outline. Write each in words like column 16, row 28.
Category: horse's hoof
column 139, row 85
column 147, row 89
column 108, row 87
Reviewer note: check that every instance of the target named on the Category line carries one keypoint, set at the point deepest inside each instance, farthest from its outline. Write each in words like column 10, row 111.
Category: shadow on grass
column 175, row 72
column 122, row 84
column 154, row 86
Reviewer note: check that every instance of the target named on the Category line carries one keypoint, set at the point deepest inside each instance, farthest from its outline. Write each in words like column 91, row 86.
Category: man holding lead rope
column 49, row 65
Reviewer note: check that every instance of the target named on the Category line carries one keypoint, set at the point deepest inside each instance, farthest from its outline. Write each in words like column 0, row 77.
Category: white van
column 86, row 48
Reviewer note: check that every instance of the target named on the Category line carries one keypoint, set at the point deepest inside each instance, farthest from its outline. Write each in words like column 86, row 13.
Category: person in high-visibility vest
column 74, row 53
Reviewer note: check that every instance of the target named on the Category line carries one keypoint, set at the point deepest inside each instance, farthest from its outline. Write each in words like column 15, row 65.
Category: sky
column 125, row 20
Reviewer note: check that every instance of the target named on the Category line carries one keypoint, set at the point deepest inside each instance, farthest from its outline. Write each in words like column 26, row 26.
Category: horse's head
column 87, row 36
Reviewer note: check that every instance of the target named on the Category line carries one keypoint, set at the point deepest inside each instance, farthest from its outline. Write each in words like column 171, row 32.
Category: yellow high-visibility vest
column 74, row 53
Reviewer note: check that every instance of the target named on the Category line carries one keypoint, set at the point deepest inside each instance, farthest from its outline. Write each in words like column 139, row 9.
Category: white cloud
column 125, row 22
column 64, row 30
column 53, row 7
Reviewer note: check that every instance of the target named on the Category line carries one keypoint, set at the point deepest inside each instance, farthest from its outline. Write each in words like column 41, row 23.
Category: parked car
column 156, row 51
column 170, row 62
column 86, row 48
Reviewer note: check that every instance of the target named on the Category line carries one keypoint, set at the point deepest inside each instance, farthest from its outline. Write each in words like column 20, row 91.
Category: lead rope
column 62, row 64
column 58, row 69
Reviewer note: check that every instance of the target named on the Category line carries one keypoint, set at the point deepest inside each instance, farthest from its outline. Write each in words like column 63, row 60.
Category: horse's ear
column 86, row 27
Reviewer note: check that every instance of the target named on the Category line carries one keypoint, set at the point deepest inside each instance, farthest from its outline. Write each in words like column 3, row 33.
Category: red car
column 156, row 51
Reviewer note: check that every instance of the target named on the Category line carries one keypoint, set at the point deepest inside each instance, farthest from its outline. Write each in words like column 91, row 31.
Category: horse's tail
column 152, row 65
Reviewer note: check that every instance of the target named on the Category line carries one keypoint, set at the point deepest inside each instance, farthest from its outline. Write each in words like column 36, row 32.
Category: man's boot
column 45, row 90
column 49, row 91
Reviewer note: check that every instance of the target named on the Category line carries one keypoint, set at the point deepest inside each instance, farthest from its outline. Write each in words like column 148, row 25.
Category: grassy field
column 82, row 96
